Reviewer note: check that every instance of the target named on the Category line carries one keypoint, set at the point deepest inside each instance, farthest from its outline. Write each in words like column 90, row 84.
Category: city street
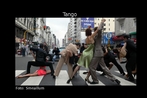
column 48, row 80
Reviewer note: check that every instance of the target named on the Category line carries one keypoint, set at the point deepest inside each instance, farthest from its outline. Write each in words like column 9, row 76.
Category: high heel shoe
column 134, row 74
column 68, row 81
column 87, row 80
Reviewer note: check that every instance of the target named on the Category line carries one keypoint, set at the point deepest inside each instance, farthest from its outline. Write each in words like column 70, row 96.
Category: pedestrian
column 46, row 47
column 68, row 52
column 98, row 58
column 56, row 52
column 40, row 72
column 40, row 60
column 131, row 60
column 82, row 48
column 23, row 49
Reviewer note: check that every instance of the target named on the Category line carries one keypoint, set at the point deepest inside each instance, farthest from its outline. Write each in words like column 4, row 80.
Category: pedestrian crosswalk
column 61, row 80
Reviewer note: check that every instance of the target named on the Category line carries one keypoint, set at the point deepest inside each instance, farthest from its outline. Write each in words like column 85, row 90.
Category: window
column 109, row 19
column 121, row 26
column 98, row 19
column 109, row 24
column 27, row 23
column 24, row 21
column 134, row 23
column 109, row 29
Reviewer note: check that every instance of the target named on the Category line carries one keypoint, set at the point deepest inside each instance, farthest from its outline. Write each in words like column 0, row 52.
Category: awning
column 132, row 33
column 117, row 38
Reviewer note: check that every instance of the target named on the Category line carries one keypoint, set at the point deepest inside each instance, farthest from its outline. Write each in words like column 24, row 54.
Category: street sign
column 107, row 36
column 85, row 22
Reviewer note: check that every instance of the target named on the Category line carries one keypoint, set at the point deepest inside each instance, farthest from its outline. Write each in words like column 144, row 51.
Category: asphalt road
column 47, row 80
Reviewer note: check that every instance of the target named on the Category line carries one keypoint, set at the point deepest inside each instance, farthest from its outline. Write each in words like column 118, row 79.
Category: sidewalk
column 22, row 56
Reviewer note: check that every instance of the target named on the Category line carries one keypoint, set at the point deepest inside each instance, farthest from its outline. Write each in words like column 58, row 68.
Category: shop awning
column 132, row 33
column 117, row 38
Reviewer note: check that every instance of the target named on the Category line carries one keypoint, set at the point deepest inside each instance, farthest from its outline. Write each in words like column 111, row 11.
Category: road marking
column 33, row 81
column 18, row 72
column 123, row 81
column 126, row 73
column 84, row 76
column 62, row 78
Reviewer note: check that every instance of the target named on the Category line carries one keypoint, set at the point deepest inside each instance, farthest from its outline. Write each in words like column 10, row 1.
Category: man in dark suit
column 98, row 58
column 131, row 53
column 109, row 57
column 40, row 60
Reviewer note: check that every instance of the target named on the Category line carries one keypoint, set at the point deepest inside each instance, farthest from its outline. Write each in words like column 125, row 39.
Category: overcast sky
column 58, row 26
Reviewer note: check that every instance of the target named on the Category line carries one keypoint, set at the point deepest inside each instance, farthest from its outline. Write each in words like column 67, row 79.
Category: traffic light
column 44, row 27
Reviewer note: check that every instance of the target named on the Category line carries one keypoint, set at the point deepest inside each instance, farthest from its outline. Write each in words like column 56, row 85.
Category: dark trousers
column 38, row 64
column 131, row 64
column 113, row 60
column 75, row 61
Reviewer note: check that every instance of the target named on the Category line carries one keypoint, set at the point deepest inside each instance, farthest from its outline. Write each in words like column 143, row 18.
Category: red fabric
column 41, row 72
column 115, row 38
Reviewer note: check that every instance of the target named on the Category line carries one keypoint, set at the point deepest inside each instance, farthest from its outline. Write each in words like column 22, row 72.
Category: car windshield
column 61, row 48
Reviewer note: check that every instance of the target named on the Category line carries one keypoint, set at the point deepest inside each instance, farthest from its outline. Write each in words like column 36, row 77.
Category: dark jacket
column 82, row 49
column 131, row 47
column 56, row 52
column 40, row 54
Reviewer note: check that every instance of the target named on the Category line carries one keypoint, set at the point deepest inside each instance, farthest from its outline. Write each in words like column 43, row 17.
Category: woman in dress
column 41, row 71
column 87, row 54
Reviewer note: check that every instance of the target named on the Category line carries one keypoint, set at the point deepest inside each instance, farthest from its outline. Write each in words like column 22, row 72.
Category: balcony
column 120, row 19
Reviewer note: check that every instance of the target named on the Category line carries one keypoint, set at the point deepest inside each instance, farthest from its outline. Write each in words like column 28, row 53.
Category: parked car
column 61, row 48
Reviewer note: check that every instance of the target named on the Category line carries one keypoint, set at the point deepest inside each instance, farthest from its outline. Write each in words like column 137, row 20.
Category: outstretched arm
column 99, row 28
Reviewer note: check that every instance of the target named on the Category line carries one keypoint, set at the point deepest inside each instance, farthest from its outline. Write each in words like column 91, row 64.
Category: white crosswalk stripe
column 18, row 72
column 33, row 81
column 62, row 79
column 126, row 73
column 84, row 76
column 123, row 81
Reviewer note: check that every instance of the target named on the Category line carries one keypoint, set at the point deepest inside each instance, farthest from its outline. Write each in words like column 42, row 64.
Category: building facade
column 78, row 29
column 109, row 24
column 125, row 25
column 24, row 30
column 40, row 30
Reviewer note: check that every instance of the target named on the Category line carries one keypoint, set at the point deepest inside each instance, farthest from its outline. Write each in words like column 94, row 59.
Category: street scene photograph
column 86, row 51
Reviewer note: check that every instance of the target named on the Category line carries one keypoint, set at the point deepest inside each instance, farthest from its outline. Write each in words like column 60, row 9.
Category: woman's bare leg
column 134, row 71
column 27, row 75
column 111, row 65
column 75, row 70
column 87, row 77
column 48, row 71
